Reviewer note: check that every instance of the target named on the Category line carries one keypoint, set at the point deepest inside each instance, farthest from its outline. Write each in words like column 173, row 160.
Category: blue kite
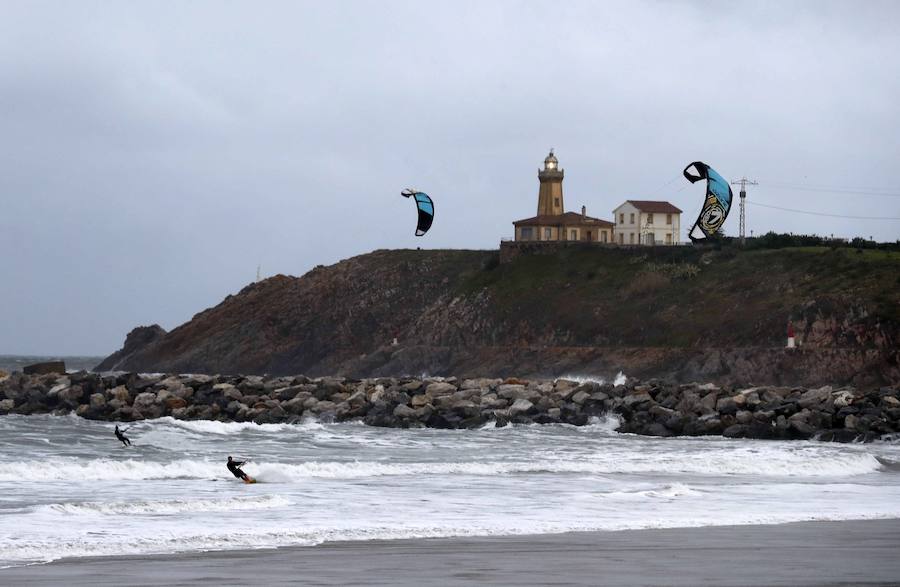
column 425, row 207
column 717, row 203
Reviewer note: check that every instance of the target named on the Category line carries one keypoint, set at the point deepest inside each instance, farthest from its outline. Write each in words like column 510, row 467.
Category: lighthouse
column 550, row 194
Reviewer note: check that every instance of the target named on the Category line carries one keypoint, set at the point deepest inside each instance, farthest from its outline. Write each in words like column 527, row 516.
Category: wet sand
column 809, row 553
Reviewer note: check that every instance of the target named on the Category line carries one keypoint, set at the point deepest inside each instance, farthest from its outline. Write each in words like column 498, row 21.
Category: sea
column 10, row 363
column 68, row 488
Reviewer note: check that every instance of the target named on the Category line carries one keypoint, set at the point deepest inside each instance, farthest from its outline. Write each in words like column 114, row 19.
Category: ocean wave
column 170, row 506
column 722, row 462
column 668, row 491
column 216, row 427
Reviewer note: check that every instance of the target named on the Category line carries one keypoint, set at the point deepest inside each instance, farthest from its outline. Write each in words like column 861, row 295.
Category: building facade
column 552, row 222
column 647, row 222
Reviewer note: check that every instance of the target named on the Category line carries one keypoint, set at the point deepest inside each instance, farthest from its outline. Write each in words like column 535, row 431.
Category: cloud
column 155, row 153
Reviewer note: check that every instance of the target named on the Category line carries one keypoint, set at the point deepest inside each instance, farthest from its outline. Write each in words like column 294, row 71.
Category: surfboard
column 249, row 480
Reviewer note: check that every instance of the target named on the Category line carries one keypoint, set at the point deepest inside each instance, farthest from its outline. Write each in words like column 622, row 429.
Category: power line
column 824, row 214
column 837, row 190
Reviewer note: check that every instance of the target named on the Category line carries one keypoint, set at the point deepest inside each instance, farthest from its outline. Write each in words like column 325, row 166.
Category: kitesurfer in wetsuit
column 122, row 437
column 235, row 468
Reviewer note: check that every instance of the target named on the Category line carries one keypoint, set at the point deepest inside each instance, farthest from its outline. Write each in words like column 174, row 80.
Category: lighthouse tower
column 550, row 195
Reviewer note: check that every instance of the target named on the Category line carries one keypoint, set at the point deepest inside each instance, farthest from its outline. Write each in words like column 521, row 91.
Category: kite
column 717, row 203
column 425, row 207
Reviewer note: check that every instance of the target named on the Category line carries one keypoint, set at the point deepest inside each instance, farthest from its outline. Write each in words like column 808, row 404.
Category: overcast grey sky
column 152, row 154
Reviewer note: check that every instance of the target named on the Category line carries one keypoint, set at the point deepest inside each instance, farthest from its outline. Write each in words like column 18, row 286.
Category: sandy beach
column 809, row 553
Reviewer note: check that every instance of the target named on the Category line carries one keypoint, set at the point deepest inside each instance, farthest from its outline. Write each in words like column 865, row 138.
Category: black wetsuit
column 235, row 468
column 122, row 437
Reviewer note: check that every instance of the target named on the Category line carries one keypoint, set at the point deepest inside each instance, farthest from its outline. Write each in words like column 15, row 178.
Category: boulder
column 814, row 397
column 440, row 388
column 520, row 406
column 580, row 397
column 228, row 391
column 482, row 383
column 144, row 400
column 735, row 431
column 493, row 402
column 636, row 397
column 727, row 405
column 708, row 403
column 175, row 402
column 6, row 405
column 98, row 401
column 45, row 367
column 510, row 391
column 119, row 393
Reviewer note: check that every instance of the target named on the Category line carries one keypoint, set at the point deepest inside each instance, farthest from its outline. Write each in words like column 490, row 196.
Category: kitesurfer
column 121, row 436
column 235, row 468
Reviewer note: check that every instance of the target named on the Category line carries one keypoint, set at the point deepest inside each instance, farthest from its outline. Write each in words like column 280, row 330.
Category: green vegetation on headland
column 688, row 296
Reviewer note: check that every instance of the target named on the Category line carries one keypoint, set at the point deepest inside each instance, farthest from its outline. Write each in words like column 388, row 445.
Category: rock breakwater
column 654, row 407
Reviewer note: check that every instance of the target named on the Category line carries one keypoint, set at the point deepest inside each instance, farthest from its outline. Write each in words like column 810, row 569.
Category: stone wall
column 655, row 407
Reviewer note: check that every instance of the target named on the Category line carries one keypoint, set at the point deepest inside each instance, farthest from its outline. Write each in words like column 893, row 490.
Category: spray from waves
column 172, row 506
column 216, row 427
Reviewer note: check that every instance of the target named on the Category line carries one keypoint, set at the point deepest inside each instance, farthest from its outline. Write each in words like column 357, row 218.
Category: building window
column 526, row 233
column 604, row 236
column 548, row 234
column 556, row 202
column 621, row 238
column 631, row 220
column 668, row 219
column 630, row 238
column 573, row 235
column 668, row 239
column 622, row 218
column 649, row 218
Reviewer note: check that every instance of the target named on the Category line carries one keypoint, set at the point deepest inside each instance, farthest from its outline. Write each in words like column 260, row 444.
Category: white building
column 647, row 222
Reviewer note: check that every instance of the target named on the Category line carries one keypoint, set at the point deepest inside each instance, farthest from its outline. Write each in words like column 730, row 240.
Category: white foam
column 20, row 552
column 620, row 379
column 582, row 379
column 216, row 427
column 727, row 461
column 171, row 506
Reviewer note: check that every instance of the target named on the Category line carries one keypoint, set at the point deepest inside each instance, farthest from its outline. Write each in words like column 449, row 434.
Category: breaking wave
column 172, row 506
column 724, row 462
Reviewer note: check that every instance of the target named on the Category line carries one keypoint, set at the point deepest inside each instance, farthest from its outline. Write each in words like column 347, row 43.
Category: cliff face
column 677, row 312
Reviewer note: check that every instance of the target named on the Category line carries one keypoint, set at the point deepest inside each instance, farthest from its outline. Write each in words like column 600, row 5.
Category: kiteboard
column 248, row 479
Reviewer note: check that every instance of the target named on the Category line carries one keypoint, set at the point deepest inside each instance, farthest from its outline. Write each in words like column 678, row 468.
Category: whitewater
column 68, row 488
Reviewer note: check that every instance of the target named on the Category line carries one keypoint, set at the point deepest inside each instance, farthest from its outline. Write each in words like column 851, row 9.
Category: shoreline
column 855, row 552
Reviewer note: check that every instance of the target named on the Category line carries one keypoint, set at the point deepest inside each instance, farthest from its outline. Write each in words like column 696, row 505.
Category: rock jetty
column 654, row 407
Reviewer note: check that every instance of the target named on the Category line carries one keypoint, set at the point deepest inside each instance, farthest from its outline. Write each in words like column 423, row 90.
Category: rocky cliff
column 679, row 312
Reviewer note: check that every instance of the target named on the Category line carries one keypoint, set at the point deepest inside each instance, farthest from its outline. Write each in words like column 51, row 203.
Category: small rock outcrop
column 138, row 339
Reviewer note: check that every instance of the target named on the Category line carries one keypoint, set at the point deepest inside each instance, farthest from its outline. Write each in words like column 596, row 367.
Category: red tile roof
column 654, row 206
column 567, row 219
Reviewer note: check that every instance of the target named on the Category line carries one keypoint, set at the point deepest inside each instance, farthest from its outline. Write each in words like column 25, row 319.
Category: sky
column 154, row 154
